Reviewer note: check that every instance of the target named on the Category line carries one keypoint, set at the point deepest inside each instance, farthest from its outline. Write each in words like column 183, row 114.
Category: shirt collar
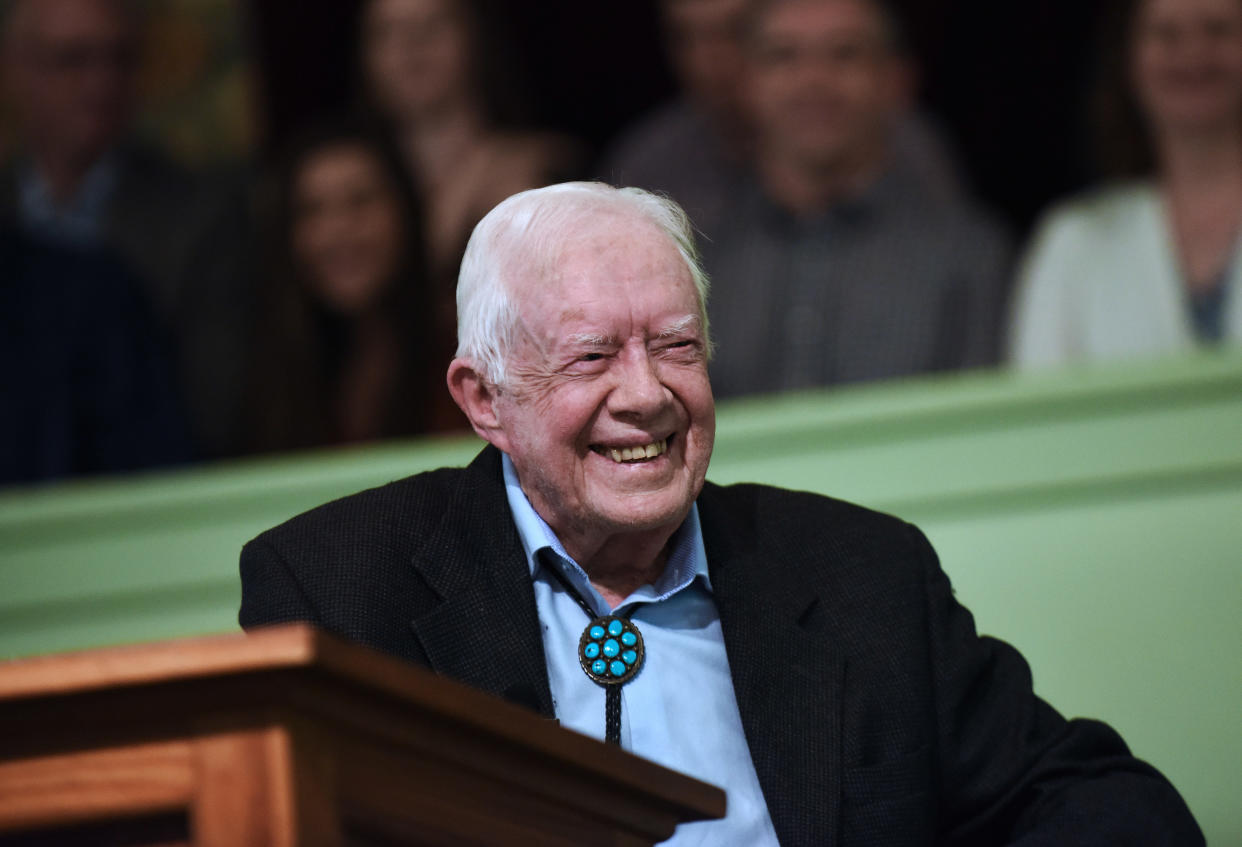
column 687, row 560
column 78, row 220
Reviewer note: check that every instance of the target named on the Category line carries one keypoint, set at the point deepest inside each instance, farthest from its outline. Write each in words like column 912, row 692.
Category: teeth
column 630, row 454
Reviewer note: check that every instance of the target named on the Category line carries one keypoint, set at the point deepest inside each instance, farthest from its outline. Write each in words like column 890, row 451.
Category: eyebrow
column 679, row 327
column 595, row 339
column 591, row 339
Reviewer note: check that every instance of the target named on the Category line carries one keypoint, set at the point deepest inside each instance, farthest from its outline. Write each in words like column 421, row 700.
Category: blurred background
column 164, row 153
column 1009, row 85
column 233, row 228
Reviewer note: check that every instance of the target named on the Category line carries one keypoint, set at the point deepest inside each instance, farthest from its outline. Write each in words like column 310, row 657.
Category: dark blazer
column 185, row 239
column 86, row 383
column 145, row 220
column 873, row 712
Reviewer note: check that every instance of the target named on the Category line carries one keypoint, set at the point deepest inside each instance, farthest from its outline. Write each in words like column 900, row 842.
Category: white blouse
column 1101, row 280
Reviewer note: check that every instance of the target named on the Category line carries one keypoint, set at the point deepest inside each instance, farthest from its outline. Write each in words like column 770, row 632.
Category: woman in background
column 346, row 349
column 452, row 111
column 1151, row 265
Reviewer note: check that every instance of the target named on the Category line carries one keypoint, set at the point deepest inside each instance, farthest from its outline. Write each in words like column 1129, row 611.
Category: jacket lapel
column 483, row 627
column 786, row 676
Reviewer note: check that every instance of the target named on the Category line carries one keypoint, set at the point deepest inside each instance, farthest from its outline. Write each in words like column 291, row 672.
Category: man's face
column 70, row 68
column 823, row 81
column 608, row 415
column 705, row 43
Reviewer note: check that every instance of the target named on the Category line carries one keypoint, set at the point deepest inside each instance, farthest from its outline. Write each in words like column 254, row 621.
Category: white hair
column 526, row 233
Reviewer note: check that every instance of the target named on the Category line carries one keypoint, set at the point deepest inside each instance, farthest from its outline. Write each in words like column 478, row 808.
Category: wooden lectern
column 291, row 737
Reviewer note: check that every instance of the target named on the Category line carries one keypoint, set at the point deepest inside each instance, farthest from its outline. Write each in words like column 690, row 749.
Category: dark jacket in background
column 85, row 382
column 184, row 237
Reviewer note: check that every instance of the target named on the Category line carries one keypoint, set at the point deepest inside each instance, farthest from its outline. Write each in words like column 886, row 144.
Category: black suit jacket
column 873, row 712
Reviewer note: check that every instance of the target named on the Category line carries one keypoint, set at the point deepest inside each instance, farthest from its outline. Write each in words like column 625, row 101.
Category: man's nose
column 639, row 393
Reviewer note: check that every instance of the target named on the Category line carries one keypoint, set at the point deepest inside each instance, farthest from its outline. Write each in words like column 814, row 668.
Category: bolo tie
column 610, row 652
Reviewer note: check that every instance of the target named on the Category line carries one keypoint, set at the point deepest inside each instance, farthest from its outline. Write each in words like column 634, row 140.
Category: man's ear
column 477, row 397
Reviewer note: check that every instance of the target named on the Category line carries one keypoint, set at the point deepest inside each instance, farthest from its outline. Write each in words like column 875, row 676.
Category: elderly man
column 804, row 653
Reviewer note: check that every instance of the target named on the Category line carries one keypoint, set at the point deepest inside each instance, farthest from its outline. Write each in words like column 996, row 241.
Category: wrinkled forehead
column 557, row 249
column 598, row 259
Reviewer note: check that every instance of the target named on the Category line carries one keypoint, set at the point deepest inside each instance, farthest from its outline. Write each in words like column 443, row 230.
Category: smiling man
column 803, row 653
column 606, row 412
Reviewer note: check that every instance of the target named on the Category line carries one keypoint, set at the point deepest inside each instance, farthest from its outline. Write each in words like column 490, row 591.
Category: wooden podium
column 288, row 736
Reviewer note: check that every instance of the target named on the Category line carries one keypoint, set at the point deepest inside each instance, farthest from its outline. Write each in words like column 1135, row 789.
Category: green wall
column 1091, row 517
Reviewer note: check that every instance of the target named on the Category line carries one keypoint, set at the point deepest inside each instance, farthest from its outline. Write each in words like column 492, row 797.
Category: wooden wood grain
column 296, row 646
column 237, row 802
column 292, row 738
column 181, row 659
column 65, row 788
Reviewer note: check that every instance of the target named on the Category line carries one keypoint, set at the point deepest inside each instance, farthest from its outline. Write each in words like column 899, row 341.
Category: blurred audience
column 697, row 147
column 346, row 348
column 836, row 262
column 81, row 180
column 1148, row 265
column 86, row 382
column 841, row 242
column 441, row 88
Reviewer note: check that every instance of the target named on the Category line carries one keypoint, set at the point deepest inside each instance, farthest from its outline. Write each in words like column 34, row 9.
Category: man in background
column 79, row 178
column 699, row 145
column 838, row 261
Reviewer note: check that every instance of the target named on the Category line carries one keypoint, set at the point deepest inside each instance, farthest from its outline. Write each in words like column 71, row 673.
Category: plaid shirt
column 886, row 284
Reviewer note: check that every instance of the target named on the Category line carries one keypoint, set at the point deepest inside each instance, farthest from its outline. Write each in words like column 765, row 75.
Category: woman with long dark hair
column 347, row 347
column 1150, row 263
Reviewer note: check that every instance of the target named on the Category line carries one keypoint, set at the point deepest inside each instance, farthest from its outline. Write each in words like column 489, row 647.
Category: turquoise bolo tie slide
column 611, row 650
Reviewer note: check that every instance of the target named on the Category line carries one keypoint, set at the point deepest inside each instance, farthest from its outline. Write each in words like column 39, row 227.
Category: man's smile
column 637, row 453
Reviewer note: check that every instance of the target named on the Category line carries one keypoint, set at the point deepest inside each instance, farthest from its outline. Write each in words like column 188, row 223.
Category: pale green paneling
column 1127, row 611
column 1093, row 518
column 154, row 556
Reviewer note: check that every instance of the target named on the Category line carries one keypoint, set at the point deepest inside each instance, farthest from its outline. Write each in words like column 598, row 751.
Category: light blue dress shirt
column 680, row 710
